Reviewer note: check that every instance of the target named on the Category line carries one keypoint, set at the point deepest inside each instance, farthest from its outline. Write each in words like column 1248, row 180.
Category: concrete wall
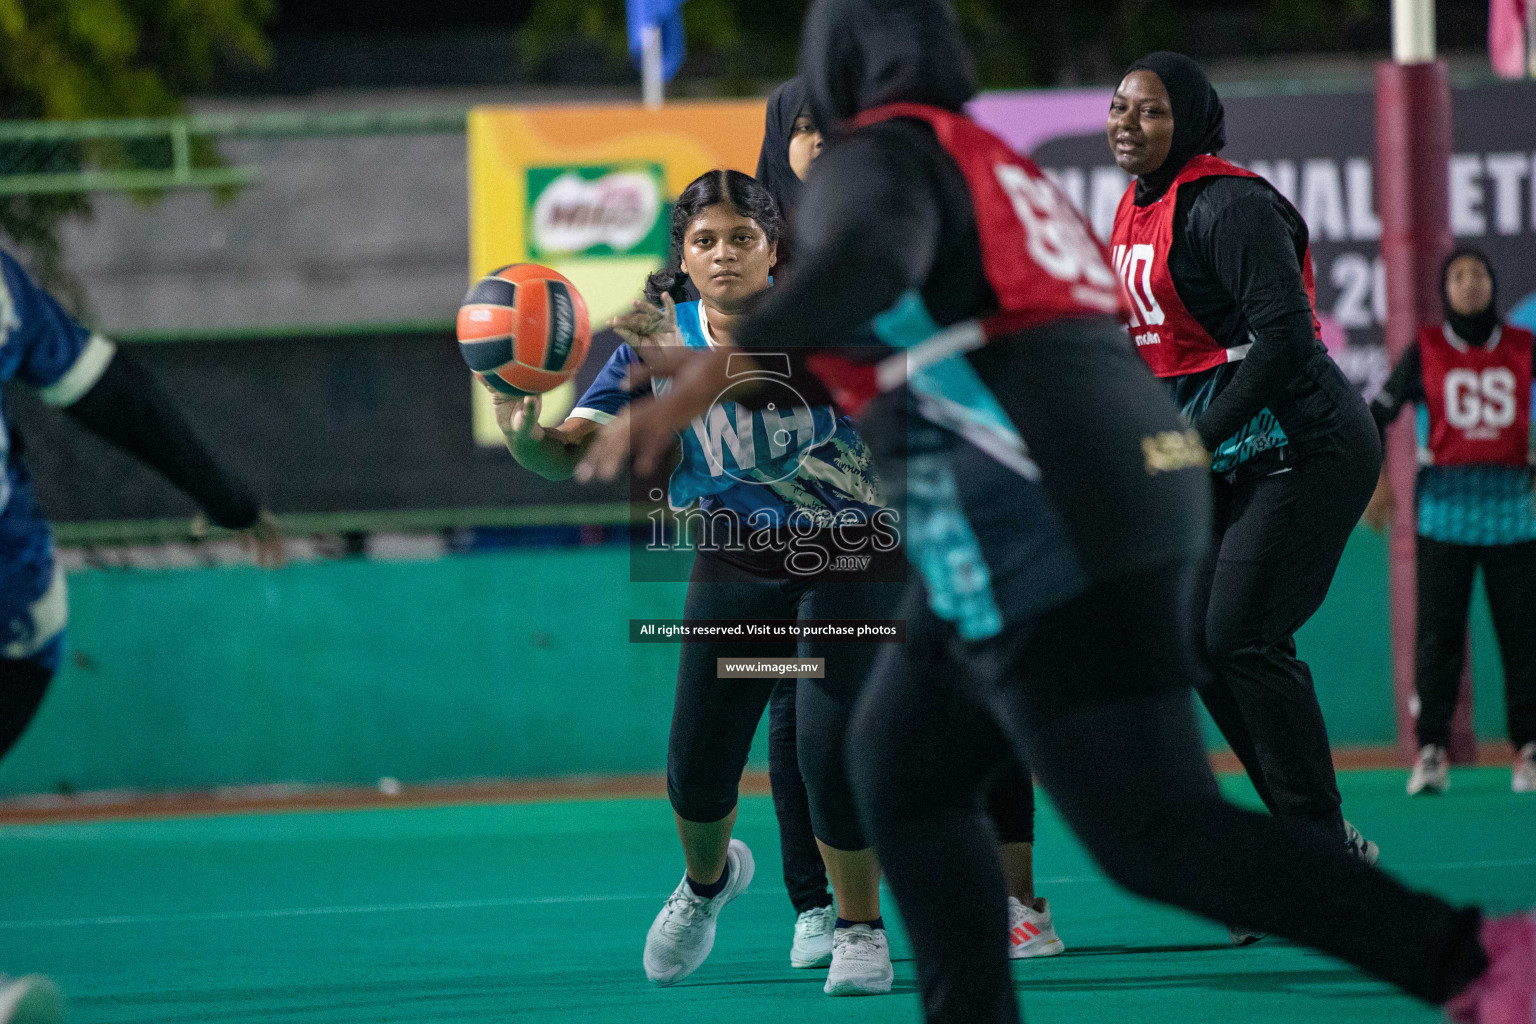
column 511, row 664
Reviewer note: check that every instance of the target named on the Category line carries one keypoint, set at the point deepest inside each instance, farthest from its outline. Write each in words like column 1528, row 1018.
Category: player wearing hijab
column 108, row 392
column 1471, row 376
column 1057, row 507
column 1220, row 280
column 791, row 144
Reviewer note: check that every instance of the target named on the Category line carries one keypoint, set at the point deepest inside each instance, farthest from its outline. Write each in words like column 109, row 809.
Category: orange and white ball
column 524, row 329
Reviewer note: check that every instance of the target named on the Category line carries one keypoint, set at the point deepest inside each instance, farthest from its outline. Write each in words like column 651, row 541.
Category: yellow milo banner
column 588, row 191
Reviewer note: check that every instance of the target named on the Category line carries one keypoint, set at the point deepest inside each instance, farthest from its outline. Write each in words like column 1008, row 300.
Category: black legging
column 1097, row 690
column 1010, row 805
column 1280, row 533
column 713, row 719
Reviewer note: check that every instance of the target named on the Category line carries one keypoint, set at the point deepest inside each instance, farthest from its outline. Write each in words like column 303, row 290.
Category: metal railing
column 153, row 153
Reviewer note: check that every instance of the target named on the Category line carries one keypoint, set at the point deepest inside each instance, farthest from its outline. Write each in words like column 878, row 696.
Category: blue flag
column 668, row 14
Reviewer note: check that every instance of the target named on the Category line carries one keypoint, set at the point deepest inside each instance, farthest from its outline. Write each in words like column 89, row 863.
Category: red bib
column 1478, row 396
column 1038, row 252
column 1169, row 339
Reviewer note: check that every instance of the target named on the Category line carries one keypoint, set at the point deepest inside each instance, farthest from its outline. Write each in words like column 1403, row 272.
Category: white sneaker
column 1359, row 846
column 861, row 962
column 30, row 1000
column 1030, row 932
column 1431, row 772
column 813, row 938
column 684, row 932
column 1523, row 779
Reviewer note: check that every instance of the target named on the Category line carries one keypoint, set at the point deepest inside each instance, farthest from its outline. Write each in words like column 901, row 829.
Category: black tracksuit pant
column 1445, row 573
column 1280, row 532
column 1096, row 693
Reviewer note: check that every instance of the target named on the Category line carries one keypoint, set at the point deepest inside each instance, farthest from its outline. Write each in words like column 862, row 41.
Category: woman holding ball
column 725, row 232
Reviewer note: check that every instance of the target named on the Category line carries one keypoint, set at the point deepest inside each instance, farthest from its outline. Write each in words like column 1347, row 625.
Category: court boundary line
column 494, row 903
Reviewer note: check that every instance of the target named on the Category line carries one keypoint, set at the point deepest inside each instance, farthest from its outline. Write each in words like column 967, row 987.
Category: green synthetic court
column 537, row 912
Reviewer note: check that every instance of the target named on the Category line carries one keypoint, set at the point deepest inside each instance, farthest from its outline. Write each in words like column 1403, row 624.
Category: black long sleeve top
column 1236, row 262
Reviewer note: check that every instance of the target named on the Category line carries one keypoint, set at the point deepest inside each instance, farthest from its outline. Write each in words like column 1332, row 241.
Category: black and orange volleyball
column 524, row 329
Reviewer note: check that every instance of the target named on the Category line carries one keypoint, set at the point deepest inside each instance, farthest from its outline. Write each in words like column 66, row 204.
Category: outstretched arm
column 129, row 408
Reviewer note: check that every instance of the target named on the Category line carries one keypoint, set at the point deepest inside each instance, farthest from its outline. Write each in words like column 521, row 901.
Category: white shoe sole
column 1028, row 952
column 801, row 963
column 740, row 879
column 861, row 986
column 31, row 1000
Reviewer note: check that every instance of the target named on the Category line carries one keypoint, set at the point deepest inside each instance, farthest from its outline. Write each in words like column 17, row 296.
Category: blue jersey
column 788, row 459
column 40, row 345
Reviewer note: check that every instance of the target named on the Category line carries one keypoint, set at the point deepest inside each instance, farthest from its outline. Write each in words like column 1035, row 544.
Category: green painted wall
column 475, row 666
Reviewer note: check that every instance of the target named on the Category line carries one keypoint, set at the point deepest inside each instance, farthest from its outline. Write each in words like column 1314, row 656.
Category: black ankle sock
column 877, row 924
column 714, row 888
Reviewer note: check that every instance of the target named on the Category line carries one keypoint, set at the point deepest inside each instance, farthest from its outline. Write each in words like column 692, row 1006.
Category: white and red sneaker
column 1030, row 932
column 1506, row 992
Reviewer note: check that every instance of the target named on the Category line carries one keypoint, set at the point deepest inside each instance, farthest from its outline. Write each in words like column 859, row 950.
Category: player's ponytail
column 742, row 192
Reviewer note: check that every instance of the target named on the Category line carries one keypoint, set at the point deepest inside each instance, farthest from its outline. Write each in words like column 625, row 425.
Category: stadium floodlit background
column 279, row 206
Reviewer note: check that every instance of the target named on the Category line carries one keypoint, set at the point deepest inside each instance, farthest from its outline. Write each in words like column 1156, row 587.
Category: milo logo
column 595, row 211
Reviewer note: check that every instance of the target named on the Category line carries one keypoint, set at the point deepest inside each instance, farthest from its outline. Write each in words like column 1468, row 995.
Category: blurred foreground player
column 791, row 145
column 1471, row 377
column 111, row 394
column 1061, row 608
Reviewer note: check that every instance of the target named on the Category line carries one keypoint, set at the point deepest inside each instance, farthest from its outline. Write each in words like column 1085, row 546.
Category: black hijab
column 1199, row 120
column 1477, row 328
column 786, row 103
column 859, row 54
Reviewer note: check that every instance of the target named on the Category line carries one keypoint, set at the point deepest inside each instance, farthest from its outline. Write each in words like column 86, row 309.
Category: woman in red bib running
column 1219, row 275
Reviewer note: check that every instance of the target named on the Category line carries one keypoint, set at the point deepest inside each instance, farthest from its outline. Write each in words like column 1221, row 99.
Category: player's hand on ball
column 519, row 420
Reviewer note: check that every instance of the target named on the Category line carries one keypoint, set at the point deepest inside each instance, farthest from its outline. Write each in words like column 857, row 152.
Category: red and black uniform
column 1478, row 397
column 1219, row 274
column 1104, row 539
column 1474, row 509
